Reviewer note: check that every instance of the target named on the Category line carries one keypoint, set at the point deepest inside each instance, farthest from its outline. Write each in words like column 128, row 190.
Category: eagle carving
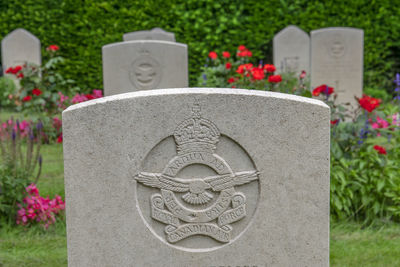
column 197, row 188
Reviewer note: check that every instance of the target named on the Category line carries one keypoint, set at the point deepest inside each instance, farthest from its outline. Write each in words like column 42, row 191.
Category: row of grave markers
column 152, row 59
column 193, row 176
column 332, row 56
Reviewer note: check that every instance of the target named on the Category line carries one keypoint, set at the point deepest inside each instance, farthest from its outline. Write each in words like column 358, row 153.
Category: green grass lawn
column 350, row 245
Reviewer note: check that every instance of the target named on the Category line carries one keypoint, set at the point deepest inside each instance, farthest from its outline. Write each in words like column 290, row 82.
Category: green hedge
column 81, row 28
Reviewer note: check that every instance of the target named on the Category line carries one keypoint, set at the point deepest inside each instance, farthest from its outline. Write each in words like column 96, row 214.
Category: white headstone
column 154, row 34
column 197, row 177
column 291, row 48
column 337, row 60
column 20, row 47
column 142, row 65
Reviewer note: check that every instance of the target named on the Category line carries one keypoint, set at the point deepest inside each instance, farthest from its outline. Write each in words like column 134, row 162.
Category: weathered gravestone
column 142, row 65
column 291, row 48
column 154, row 34
column 197, row 177
column 20, row 47
column 337, row 60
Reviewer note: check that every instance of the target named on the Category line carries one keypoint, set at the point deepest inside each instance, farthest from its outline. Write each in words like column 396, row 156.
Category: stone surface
column 154, row 34
column 197, row 177
column 291, row 48
column 337, row 60
column 20, row 47
column 142, row 65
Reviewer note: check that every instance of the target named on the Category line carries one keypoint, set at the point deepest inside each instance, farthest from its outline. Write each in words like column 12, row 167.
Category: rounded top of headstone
column 20, row 33
column 289, row 29
column 194, row 91
column 153, row 34
column 338, row 29
column 144, row 42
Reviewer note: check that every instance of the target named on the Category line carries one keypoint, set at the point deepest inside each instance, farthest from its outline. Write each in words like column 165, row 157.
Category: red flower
column 258, row 73
column 14, row 70
column 212, row 55
column 275, row 78
column 303, row 74
column 269, row 68
column 60, row 138
column 326, row 90
column 244, row 53
column 52, row 48
column 244, row 67
column 242, row 48
column 20, row 75
column 231, row 80
column 27, row 98
column 228, row 65
column 36, row 92
column 369, row 103
column 380, row 149
column 89, row 96
column 226, row 54
column 334, row 122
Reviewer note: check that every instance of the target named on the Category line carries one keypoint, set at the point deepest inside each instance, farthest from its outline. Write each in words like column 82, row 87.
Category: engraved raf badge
column 208, row 206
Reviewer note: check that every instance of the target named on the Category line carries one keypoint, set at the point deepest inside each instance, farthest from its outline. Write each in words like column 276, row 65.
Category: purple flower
column 13, row 135
column 31, row 136
column 39, row 126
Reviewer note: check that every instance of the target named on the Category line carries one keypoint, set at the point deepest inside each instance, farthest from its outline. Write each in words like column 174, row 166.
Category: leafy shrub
column 12, row 187
column 82, row 28
column 238, row 70
column 40, row 89
column 20, row 163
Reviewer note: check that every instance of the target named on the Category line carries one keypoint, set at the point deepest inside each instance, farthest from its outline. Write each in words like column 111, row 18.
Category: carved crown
column 196, row 133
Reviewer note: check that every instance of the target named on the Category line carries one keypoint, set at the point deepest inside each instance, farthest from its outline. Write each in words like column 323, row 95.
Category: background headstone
column 142, row 65
column 154, row 34
column 291, row 48
column 337, row 60
column 197, row 177
column 20, row 47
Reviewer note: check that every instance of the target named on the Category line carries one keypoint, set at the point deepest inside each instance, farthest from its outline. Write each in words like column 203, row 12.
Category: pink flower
column 97, row 93
column 78, row 98
column 36, row 209
column 32, row 190
column 380, row 123
column 57, row 123
column 60, row 138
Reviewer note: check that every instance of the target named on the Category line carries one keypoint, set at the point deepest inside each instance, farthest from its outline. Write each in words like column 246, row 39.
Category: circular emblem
column 145, row 72
column 337, row 48
column 197, row 189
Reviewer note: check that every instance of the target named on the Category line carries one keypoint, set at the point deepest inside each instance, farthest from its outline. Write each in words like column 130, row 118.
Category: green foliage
column 81, row 28
column 20, row 164
column 365, row 185
column 12, row 188
column 7, row 87
column 39, row 90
